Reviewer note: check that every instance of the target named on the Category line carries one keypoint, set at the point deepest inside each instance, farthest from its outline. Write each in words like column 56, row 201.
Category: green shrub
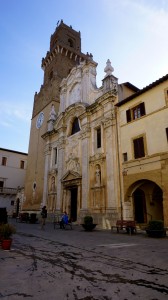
column 88, row 220
column 6, row 231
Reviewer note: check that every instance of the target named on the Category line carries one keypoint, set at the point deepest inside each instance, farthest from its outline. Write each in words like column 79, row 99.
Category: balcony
column 8, row 191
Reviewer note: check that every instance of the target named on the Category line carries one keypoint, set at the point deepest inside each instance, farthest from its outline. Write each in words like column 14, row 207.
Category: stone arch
column 145, row 200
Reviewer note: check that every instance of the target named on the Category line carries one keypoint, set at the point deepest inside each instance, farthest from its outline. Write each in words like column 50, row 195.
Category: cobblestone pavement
column 73, row 264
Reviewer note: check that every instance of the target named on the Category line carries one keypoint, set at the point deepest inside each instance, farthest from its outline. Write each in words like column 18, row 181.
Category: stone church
column 76, row 148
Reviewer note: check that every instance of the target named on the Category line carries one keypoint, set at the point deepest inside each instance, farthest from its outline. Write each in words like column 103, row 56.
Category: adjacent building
column 144, row 152
column 13, row 166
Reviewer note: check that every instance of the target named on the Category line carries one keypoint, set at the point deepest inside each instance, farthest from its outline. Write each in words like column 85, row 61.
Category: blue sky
column 133, row 34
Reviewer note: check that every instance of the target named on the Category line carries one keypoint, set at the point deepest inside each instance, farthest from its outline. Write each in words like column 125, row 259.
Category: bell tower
column 63, row 55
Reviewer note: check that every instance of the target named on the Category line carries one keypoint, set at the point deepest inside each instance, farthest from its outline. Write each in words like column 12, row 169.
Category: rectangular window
column 22, row 164
column 125, row 156
column 98, row 137
column 167, row 133
column 166, row 95
column 4, row 161
column 1, row 184
column 135, row 112
column 55, row 156
column 139, row 150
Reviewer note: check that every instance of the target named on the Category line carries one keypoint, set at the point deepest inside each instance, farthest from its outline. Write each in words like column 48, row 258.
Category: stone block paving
column 77, row 265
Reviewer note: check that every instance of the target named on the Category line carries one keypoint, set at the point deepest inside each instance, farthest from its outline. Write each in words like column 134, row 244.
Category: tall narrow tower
column 64, row 54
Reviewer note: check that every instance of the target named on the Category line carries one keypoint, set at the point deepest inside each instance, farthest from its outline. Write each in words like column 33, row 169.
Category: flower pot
column 6, row 244
column 89, row 227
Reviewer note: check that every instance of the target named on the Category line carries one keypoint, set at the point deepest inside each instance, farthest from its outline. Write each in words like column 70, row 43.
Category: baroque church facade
column 85, row 150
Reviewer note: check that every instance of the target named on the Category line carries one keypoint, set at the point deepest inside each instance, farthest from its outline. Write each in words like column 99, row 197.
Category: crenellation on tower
column 66, row 36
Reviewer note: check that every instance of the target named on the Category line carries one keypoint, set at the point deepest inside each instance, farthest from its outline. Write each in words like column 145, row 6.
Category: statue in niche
column 52, row 192
column 52, row 189
column 97, row 176
column 53, row 114
column 34, row 191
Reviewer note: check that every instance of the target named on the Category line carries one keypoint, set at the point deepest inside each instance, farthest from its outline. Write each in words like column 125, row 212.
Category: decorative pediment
column 70, row 176
column 97, row 157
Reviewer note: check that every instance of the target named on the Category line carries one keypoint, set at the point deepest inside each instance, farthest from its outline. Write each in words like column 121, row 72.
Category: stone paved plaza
column 77, row 265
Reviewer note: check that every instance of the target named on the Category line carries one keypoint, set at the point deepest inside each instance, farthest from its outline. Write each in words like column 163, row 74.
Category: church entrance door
column 74, row 193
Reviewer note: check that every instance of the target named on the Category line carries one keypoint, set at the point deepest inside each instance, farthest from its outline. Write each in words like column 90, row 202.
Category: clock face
column 40, row 120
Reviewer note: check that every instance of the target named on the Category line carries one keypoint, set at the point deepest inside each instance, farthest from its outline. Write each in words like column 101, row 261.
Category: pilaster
column 85, row 167
column 47, row 153
column 61, row 158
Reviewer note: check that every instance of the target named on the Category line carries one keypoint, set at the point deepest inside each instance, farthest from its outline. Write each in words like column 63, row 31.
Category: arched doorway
column 139, row 206
column 72, row 194
column 146, row 201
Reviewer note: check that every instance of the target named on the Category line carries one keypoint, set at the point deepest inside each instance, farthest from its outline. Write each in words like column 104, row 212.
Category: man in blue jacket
column 64, row 220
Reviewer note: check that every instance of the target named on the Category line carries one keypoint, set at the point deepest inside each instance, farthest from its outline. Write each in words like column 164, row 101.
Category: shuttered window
column 139, row 147
column 142, row 108
column 4, row 161
column 22, row 164
column 128, row 114
column 135, row 112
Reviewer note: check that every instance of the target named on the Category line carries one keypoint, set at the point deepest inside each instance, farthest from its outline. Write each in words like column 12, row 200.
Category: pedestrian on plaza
column 44, row 216
column 64, row 220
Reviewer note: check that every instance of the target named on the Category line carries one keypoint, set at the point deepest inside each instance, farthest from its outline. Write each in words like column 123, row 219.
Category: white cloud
column 139, row 41
column 5, row 124
column 10, row 114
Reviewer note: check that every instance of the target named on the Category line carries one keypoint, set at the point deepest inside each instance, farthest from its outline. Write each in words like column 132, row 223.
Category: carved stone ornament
column 108, row 69
column 97, row 157
column 73, row 164
column 53, row 114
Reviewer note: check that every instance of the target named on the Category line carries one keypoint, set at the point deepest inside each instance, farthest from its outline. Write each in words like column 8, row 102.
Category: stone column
column 85, row 167
column 47, row 153
column 111, row 164
column 60, row 164
column 79, row 199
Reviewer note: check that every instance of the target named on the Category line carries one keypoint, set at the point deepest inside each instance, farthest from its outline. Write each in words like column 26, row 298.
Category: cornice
column 61, row 49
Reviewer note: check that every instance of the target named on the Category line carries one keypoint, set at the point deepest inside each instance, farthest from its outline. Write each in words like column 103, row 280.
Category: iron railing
column 8, row 191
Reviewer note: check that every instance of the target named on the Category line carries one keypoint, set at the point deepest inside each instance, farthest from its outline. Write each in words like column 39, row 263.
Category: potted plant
column 156, row 228
column 88, row 223
column 6, row 232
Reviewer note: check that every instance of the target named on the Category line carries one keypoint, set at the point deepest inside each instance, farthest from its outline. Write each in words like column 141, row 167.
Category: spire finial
column 108, row 69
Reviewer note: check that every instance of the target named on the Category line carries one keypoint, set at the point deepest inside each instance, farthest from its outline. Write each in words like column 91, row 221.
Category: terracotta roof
column 145, row 89
column 131, row 86
column 13, row 151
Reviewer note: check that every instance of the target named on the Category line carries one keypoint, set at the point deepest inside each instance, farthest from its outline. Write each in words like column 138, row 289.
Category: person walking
column 44, row 216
